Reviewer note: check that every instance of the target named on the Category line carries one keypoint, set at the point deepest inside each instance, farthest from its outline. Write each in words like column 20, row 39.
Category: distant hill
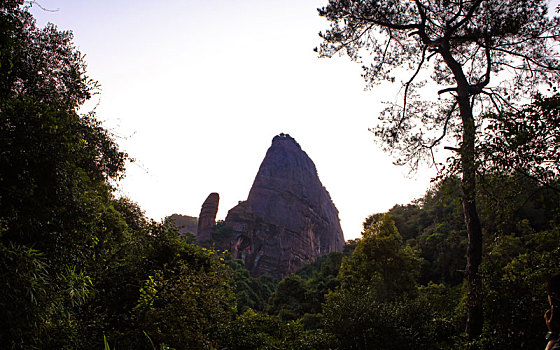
column 185, row 223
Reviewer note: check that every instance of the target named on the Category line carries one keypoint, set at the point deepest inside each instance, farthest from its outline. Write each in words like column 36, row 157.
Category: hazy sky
column 195, row 90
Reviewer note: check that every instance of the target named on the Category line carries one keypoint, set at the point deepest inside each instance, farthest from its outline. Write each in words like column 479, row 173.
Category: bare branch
column 493, row 101
column 443, row 91
column 538, row 64
column 445, row 125
column 486, row 79
column 501, row 101
column 33, row 2
column 407, row 85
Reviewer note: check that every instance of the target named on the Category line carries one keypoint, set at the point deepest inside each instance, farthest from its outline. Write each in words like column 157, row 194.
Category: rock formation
column 288, row 219
column 185, row 224
column 207, row 217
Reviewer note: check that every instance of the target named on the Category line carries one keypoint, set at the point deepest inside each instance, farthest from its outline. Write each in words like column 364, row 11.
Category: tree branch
column 457, row 15
column 407, row 85
column 486, row 78
column 33, row 2
column 445, row 125
column 467, row 17
column 535, row 178
column 450, row 89
column 516, row 54
column 388, row 24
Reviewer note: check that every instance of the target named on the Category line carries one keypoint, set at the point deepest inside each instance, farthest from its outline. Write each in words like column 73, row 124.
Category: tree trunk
column 475, row 317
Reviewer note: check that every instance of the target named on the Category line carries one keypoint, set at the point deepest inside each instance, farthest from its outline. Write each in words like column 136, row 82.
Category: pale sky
column 195, row 90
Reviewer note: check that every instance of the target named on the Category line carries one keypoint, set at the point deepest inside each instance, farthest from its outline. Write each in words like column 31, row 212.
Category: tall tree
column 59, row 228
column 465, row 45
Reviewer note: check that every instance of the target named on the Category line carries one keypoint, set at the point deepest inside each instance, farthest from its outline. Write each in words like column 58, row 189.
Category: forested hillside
column 402, row 281
column 82, row 268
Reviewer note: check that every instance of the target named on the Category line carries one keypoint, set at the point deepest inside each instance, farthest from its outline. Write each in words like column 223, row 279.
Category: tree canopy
column 496, row 53
column 479, row 55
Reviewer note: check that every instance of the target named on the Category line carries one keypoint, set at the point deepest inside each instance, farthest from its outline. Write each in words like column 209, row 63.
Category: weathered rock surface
column 288, row 219
column 207, row 217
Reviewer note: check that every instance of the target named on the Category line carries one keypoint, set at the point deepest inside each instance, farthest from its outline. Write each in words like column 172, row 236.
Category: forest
column 82, row 268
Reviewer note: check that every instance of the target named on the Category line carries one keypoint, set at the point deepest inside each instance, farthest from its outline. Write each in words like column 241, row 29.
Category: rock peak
column 284, row 137
column 207, row 217
column 288, row 219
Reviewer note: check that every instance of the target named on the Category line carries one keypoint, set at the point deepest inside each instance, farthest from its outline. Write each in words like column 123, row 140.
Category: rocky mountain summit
column 288, row 218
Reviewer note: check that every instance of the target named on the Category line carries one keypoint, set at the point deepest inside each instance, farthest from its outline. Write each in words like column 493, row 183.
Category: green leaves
column 382, row 262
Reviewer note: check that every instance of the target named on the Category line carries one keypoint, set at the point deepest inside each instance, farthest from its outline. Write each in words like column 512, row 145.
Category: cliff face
column 288, row 218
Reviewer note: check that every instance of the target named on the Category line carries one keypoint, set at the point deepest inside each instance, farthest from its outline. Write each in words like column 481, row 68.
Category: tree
column 59, row 226
column 252, row 331
column 515, row 295
column 465, row 44
column 187, row 295
column 378, row 299
column 77, row 266
column 381, row 262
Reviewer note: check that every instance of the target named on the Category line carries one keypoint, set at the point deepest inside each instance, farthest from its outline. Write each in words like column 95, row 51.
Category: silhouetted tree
column 466, row 45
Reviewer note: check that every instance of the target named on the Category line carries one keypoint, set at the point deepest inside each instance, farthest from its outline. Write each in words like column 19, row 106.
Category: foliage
column 76, row 263
column 35, row 304
column 81, row 269
column 221, row 234
column 289, row 299
column 360, row 321
column 434, row 225
column 381, row 262
column 187, row 225
column 515, row 296
column 59, row 222
column 465, row 44
column 526, row 141
column 252, row 330
column 185, row 300
column 300, row 296
column 378, row 304
column 250, row 292
column 40, row 63
column 520, row 218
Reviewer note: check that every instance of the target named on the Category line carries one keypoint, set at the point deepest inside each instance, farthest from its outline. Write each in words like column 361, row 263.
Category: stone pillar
column 207, row 217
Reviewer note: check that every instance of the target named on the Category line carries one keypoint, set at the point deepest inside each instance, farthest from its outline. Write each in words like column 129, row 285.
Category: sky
column 195, row 90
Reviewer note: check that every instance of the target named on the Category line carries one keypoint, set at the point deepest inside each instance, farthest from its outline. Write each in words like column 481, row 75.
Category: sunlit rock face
column 288, row 219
